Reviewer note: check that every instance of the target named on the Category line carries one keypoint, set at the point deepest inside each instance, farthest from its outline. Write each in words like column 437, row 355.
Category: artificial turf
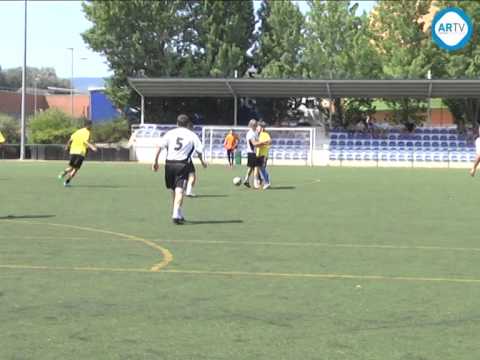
column 331, row 263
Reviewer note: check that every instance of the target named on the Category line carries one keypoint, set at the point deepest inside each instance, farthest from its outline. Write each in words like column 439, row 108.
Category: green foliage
column 43, row 77
column 339, row 47
column 357, row 110
column 405, row 49
column 280, row 40
column 225, row 35
column 168, row 38
column 111, row 131
column 10, row 128
column 464, row 63
column 278, row 51
column 51, row 127
column 407, row 111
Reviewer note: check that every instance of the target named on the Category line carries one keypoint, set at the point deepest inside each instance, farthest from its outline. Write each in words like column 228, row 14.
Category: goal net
column 290, row 146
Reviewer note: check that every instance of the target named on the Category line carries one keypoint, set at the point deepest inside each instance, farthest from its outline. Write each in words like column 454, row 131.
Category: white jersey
column 251, row 135
column 180, row 144
column 477, row 145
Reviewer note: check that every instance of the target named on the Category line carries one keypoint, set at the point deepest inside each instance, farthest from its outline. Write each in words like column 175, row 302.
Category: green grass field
column 332, row 263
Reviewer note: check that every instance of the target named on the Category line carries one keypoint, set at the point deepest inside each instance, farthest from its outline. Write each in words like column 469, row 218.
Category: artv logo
column 451, row 29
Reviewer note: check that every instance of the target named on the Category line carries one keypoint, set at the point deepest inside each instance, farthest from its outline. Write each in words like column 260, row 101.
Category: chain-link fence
column 58, row 152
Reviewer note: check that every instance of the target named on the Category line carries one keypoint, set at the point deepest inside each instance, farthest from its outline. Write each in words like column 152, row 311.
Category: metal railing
column 58, row 152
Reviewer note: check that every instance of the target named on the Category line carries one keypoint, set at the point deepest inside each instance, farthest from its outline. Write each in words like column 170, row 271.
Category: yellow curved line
column 319, row 276
column 167, row 255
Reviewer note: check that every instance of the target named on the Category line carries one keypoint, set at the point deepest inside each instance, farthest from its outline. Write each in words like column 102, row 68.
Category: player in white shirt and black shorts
column 180, row 144
column 252, row 142
column 473, row 170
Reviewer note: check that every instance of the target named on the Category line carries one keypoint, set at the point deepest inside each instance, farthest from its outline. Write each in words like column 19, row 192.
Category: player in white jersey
column 473, row 170
column 180, row 143
column 252, row 142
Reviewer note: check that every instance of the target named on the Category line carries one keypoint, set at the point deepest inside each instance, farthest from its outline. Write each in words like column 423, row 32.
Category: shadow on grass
column 281, row 188
column 99, row 186
column 205, row 222
column 13, row 217
column 210, row 196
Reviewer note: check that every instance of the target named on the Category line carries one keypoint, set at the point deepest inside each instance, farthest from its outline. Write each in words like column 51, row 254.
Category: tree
column 169, row 38
column 137, row 37
column 10, row 128
column 225, row 35
column 111, row 131
column 51, row 127
column 278, row 51
column 44, row 77
column 339, row 47
column 464, row 63
column 405, row 49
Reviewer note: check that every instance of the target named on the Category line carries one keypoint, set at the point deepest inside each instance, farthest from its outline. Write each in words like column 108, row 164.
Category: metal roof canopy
column 217, row 87
column 331, row 89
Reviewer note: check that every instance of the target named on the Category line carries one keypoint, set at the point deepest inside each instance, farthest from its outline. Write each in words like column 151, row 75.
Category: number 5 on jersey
column 179, row 144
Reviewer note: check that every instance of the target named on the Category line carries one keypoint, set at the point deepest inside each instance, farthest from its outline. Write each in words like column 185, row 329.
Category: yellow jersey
column 263, row 149
column 2, row 139
column 79, row 142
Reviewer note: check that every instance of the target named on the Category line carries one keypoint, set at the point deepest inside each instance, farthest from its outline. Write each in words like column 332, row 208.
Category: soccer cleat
column 246, row 183
column 178, row 221
column 190, row 195
column 266, row 186
column 60, row 176
column 66, row 184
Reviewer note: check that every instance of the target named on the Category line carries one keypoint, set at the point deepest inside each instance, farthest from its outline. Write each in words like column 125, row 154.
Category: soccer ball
column 237, row 180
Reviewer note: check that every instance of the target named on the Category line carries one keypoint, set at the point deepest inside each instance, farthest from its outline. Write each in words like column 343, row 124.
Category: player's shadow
column 205, row 222
column 281, row 188
column 211, row 196
column 100, row 186
column 13, row 217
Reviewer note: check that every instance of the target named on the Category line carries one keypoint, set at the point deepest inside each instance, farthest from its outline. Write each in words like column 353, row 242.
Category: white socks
column 189, row 189
column 177, row 212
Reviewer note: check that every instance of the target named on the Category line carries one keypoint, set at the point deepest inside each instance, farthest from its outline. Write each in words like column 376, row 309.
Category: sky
column 55, row 26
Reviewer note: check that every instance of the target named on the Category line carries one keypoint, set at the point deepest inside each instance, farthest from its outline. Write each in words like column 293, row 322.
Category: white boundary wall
column 143, row 150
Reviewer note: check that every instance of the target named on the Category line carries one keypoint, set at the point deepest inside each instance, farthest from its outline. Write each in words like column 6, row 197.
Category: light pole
column 71, row 83
column 24, row 78
column 35, row 94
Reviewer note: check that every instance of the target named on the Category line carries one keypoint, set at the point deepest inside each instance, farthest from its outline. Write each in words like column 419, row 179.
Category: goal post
column 290, row 146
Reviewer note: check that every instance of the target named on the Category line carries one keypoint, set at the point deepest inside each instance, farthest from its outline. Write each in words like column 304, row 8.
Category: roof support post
column 330, row 103
column 235, row 110
column 235, row 104
column 429, row 114
column 142, row 109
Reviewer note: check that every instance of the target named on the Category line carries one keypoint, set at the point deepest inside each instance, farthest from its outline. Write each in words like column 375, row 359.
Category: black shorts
column 260, row 161
column 191, row 167
column 176, row 174
column 76, row 161
column 251, row 160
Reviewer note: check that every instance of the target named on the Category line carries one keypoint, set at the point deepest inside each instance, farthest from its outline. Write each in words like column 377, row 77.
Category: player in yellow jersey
column 78, row 144
column 262, row 149
column 2, row 138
